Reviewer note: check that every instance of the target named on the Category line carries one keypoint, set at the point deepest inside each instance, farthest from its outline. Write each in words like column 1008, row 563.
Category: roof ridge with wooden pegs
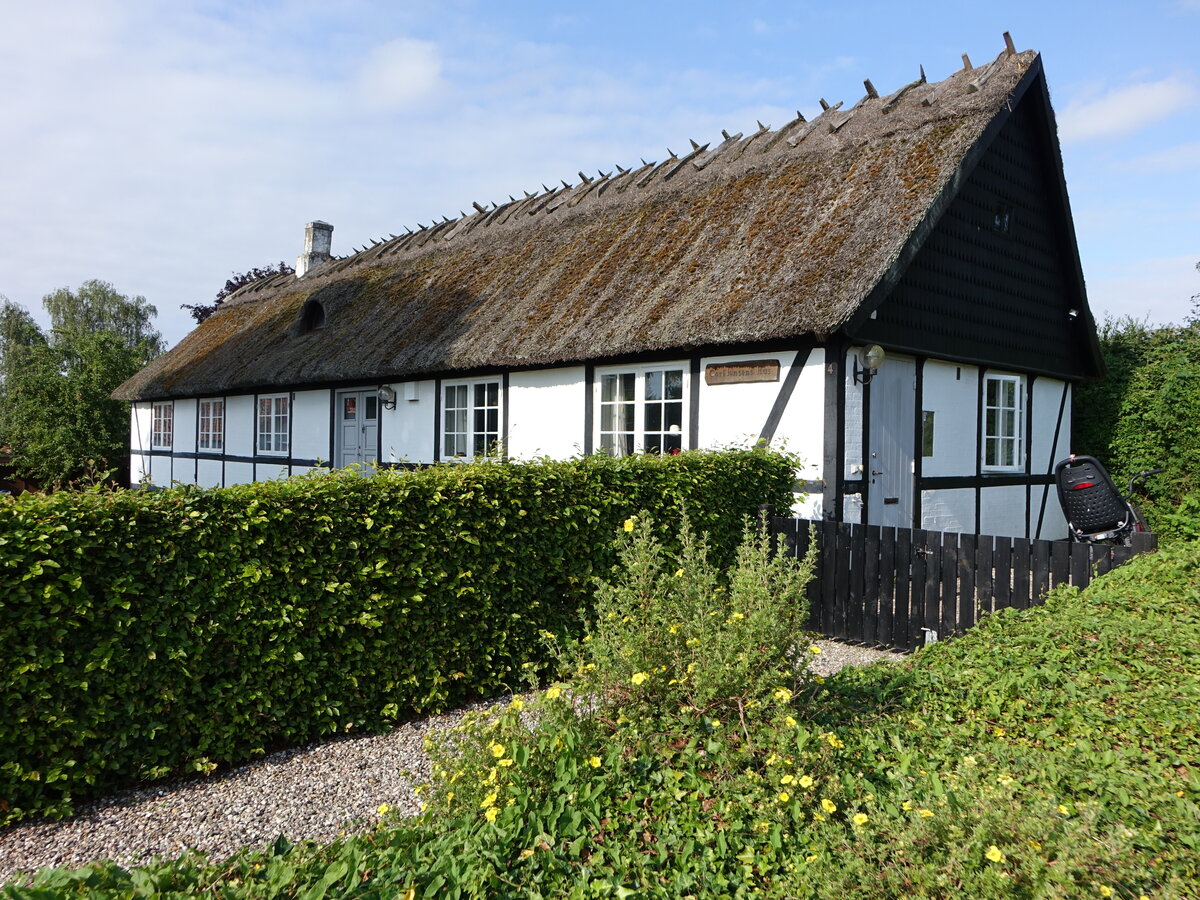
column 832, row 119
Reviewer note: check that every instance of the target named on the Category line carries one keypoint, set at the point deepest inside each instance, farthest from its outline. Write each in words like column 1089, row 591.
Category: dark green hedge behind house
column 146, row 634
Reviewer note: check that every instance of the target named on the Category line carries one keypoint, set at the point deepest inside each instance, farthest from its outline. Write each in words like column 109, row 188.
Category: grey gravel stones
column 314, row 793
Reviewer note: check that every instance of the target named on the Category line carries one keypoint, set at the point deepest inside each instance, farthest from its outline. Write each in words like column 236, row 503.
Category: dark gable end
column 772, row 237
column 997, row 281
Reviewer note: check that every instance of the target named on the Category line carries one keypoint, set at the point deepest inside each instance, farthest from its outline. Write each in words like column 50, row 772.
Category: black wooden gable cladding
column 997, row 280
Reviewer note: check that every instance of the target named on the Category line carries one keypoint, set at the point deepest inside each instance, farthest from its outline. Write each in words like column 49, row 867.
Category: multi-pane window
column 471, row 420
column 212, row 425
column 641, row 411
column 273, row 413
column 1003, row 423
column 162, row 427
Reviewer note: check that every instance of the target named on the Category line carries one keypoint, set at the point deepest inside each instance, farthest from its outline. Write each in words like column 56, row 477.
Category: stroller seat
column 1092, row 503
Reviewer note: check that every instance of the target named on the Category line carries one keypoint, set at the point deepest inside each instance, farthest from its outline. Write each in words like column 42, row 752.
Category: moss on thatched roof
column 765, row 237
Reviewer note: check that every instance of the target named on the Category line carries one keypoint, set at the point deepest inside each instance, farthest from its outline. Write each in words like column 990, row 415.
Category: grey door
column 357, row 414
column 889, row 461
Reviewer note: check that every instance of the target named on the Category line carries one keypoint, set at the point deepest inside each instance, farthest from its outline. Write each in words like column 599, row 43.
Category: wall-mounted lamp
column 387, row 396
column 867, row 361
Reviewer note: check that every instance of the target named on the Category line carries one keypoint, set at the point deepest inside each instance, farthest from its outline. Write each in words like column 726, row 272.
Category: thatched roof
column 764, row 237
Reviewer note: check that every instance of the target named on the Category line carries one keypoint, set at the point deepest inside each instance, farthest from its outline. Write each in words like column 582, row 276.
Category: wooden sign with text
column 747, row 372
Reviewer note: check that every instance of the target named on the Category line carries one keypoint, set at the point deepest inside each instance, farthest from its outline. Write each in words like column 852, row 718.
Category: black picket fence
column 903, row 587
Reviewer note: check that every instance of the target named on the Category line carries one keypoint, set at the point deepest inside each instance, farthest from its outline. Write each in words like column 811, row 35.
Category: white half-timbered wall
column 556, row 413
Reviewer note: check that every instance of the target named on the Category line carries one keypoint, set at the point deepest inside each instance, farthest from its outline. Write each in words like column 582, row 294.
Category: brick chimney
column 318, row 238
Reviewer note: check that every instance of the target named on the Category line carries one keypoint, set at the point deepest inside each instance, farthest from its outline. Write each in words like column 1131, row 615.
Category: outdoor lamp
column 867, row 361
column 387, row 396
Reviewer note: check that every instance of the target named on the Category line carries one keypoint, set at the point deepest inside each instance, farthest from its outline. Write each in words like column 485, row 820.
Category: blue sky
column 165, row 146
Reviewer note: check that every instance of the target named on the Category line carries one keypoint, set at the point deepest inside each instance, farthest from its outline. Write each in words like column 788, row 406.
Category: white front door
column 357, row 414
column 889, row 468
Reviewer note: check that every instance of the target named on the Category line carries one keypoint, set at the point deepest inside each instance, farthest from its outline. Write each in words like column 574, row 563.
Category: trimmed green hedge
column 152, row 633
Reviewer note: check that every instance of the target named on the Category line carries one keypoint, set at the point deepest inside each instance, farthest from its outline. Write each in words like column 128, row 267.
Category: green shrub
column 148, row 634
column 1048, row 753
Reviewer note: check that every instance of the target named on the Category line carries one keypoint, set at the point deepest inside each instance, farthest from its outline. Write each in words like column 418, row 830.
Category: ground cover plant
column 148, row 634
column 1050, row 752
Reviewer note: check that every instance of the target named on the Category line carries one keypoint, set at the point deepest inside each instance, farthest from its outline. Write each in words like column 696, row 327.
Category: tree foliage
column 1146, row 413
column 56, row 409
column 201, row 311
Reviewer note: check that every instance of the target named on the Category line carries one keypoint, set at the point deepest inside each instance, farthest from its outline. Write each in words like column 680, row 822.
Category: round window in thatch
column 312, row 316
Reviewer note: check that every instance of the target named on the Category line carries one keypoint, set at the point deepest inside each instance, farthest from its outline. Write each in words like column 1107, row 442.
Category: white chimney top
column 318, row 239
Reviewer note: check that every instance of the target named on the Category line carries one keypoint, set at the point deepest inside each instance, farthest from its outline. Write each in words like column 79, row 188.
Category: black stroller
column 1096, row 511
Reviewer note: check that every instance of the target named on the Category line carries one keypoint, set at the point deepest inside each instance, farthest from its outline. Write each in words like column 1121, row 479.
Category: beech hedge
column 152, row 634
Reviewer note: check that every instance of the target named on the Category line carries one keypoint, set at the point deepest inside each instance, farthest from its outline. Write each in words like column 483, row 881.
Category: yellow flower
column 926, row 814
column 449, row 796
column 505, row 762
column 907, row 805
column 679, row 573
column 834, row 740
column 764, row 827
column 553, row 692
column 1105, row 890
column 860, row 819
column 998, row 731
column 673, row 629
column 787, row 779
column 772, row 759
column 629, row 523
column 784, row 796
column 783, row 695
column 594, row 762
column 828, row 805
column 789, row 722
column 498, row 750
column 814, row 650
column 526, row 853
column 819, row 679
column 737, row 616
column 993, row 853
column 517, row 703
column 639, row 677
column 806, row 781
column 489, row 800
column 383, row 809
column 491, row 813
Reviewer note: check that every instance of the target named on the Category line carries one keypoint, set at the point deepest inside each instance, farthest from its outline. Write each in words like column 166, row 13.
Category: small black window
column 927, row 432
column 312, row 317
column 1002, row 220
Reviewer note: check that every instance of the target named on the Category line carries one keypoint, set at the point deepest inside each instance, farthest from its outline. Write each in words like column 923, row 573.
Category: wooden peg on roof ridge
column 800, row 117
column 695, row 146
column 602, row 173
column 762, row 127
column 672, row 152
column 584, row 178
column 622, row 171
column 1009, row 47
column 824, row 105
column 871, row 92
column 546, row 189
column 478, row 207
column 923, row 78
column 967, row 63
column 724, row 134
column 564, row 183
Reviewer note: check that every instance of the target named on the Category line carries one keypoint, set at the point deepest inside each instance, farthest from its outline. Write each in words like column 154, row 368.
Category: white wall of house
column 239, row 431
column 310, row 425
column 210, row 473
column 407, row 432
column 546, row 413
column 951, row 392
column 948, row 510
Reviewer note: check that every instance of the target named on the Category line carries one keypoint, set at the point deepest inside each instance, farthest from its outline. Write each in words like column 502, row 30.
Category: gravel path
column 315, row 793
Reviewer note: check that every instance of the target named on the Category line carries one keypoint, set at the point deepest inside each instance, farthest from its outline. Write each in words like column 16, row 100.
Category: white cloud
column 1156, row 289
column 1123, row 110
column 400, row 73
column 1180, row 158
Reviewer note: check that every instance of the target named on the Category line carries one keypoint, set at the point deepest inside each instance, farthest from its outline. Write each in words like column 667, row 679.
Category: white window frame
column 478, row 429
column 274, row 426
column 1003, row 425
column 162, row 425
column 210, row 435
column 605, row 438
